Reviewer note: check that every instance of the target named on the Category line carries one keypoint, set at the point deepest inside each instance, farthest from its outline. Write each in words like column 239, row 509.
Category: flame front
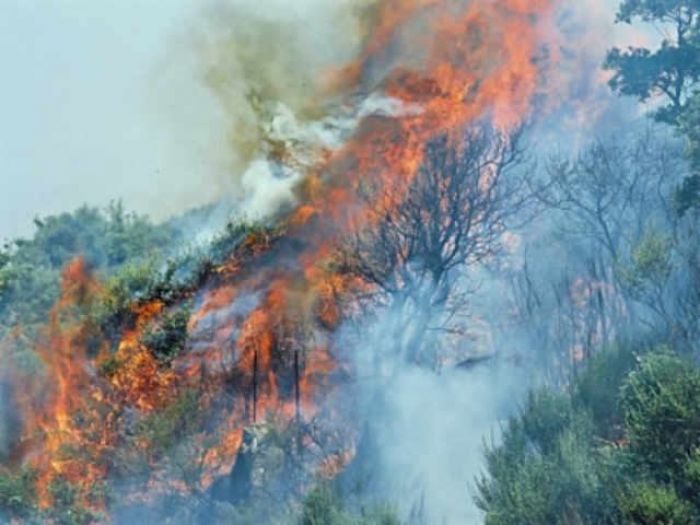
column 260, row 330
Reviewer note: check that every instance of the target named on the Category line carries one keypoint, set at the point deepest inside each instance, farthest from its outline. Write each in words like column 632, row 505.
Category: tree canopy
column 667, row 76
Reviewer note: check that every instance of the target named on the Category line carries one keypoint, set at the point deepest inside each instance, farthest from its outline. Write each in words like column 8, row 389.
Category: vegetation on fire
column 619, row 440
column 183, row 380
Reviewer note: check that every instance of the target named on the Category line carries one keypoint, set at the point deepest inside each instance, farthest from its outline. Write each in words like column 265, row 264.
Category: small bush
column 651, row 505
column 598, row 389
column 662, row 414
column 324, row 506
column 17, row 495
column 66, row 509
column 166, row 339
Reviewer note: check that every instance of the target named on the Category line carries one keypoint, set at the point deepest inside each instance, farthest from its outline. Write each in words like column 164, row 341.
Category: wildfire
column 258, row 334
column 71, row 392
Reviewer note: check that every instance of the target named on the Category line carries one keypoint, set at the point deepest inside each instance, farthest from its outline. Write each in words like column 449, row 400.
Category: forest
column 452, row 322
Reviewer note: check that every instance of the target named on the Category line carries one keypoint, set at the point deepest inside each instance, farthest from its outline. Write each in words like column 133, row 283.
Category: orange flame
column 477, row 61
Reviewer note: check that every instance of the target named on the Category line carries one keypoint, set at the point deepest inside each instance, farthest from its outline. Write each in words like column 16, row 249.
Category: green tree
column 107, row 239
column 652, row 505
column 662, row 415
column 558, row 463
column 669, row 74
column 670, row 71
column 688, row 193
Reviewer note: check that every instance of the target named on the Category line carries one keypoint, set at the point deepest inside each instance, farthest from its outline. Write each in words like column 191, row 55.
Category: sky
column 85, row 103
column 99, row 102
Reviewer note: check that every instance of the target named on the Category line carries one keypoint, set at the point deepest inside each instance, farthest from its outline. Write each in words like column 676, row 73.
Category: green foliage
column 27, row 292
column 30, row 269
column 17, row 496
column 324, row 506
column 662, row 414
column 124, row 248
column 654, row 505
column 166, row 339
column 543, row 472
column 597, row 389
column 651, row 10
column 66, row 509
column 149, row 279
column 233, row 235
column 545, row 416
column 688, row 194
column 669, row 71
column 688, row 123
column 566, row 458
column 650, row 265
column 133, row 283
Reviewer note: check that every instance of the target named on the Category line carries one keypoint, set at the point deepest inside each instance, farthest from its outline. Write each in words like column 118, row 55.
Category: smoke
column 256, row 117
column 264, row 63
column 265, row 66
column 425, row 431
column 433, row 432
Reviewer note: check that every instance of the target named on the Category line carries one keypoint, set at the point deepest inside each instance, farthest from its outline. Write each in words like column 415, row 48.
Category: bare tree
column 611, row 192
column 602, row 209
column 453, row 214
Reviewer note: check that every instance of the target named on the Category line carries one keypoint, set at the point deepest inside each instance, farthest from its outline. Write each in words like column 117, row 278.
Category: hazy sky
column 83, row 99
column 98, row 102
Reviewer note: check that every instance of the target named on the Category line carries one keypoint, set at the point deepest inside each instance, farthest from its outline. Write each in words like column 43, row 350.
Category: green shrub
column 133, row 283
column 324, row 506
column 556, row 464
column 17, row 495
column 166, row 339
column 653, row 505
column 544, row 418
column 597, row 389
column 547, row 476
column 66, row 509
column 660, row 400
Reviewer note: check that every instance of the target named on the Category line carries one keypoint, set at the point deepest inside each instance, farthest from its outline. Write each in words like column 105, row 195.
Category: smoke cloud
column 261, row 71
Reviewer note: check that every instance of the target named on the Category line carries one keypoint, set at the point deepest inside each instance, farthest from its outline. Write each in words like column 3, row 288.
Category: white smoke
column 243, row 74
column 426, row 429
column 432, row 434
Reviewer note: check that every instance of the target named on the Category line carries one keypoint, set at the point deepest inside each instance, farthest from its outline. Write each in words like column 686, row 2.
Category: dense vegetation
column 612, row 434
column 618, row 441
column 324, row 506
column 622, row 446
column 669, row 73
column 108, row 239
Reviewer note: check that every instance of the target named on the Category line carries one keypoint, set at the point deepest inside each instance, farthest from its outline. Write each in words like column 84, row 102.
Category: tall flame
column 265, row 314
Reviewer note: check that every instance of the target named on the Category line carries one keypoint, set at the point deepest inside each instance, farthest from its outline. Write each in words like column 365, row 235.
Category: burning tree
column 454, row 214
column 420, row 189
